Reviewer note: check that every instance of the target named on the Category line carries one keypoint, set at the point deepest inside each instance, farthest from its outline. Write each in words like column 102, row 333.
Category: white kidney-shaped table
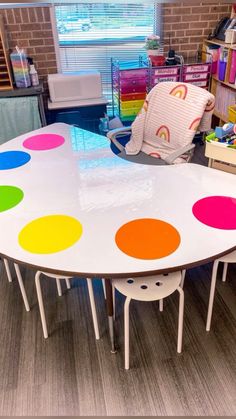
column 70, row 206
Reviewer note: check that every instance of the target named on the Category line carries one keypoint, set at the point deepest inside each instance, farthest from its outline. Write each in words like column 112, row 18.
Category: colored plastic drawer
column 133, row 96
column 129, row 112
column 138, row 88
column 195, row 76
column 200, row 83
column 133, row 74
column 165, row 78
column 165, row 71
column 196, row 68
column 131, row 104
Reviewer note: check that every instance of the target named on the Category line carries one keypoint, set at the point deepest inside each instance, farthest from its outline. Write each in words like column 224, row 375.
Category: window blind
column 90, row 34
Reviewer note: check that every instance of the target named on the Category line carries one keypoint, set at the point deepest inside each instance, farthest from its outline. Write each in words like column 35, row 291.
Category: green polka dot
column 10, row 196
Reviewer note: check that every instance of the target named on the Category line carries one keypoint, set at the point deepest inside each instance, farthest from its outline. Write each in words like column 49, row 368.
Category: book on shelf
column 224, row 98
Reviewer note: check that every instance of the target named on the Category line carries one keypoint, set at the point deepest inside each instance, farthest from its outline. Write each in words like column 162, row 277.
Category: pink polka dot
column 216, row 211
column 43, row 142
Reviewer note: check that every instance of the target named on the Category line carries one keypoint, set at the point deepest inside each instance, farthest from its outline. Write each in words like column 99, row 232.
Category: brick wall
column 30, row 28
column 188, row 24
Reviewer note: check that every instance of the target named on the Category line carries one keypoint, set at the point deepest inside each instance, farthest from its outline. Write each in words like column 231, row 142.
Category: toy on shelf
column 225, row 134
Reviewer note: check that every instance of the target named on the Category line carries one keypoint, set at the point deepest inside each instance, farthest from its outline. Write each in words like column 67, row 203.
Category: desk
column 87, row 195
column 29, row 91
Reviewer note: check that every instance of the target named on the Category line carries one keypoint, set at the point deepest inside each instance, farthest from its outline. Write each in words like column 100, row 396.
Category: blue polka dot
column 13, row 159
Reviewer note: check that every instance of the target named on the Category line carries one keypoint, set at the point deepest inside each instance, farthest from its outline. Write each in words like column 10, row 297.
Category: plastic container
column 232, row 113
column 33, row 76
column 221, row 70
column 20, row 68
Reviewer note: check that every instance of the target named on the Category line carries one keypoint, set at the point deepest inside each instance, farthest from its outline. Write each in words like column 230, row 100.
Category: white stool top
column 149, row 288
column 230, row 258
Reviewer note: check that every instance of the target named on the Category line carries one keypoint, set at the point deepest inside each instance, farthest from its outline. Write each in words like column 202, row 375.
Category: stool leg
column 225, row 271
column 59, row 291
column 93, row 308
column 22, row 288
column 104, row 288
column 126, row 327
column 183, row 272
column 181, row 319
column 114, row 301
column 161, row 305
column 212, row 293
column 41, row 306
column 7, row 267
column 68, row 286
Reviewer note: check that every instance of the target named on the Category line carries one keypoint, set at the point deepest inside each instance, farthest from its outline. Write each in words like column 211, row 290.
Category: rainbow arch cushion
column 172, row 114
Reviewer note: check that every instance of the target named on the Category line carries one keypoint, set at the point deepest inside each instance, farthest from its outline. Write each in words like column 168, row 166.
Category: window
column 90, row 34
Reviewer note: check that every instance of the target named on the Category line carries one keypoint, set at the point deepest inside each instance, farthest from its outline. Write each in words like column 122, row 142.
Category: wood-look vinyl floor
column 71, row 374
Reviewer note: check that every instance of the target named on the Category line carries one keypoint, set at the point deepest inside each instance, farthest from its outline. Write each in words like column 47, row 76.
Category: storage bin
column 134, row 74
column 20, row 68
column 232, row 113
column 131, row 104
column 165, row 78
column 195, row 76
column 197, row 68
column 166, row 70
column 133, row 96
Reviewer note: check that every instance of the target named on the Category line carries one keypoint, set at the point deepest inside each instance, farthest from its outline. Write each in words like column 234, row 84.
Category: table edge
column 123, row 274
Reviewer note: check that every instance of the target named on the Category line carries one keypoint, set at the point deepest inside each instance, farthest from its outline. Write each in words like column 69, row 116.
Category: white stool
column 58, row 278
column 21, row 283
column 152, row 288
column 230, row 258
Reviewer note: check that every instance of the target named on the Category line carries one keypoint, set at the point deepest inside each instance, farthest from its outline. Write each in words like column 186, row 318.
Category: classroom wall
column 30, row 28
column 188, row 24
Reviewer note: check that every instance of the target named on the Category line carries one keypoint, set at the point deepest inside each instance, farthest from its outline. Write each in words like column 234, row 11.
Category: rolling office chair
column 163, row 131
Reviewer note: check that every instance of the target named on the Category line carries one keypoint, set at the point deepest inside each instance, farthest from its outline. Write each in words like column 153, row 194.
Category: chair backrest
column 170, row 117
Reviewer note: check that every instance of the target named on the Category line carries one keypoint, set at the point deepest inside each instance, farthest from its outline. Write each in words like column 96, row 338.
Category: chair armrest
column 171, row 158
column 115, row 133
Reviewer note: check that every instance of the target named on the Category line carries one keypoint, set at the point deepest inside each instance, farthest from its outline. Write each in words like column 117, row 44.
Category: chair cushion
column 169, row 119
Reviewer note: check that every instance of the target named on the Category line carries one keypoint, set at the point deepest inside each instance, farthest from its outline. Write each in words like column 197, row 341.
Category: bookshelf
column 224, row 90
column 5, row 70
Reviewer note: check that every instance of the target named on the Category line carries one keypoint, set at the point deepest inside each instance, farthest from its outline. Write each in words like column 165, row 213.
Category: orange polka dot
column 147, row 238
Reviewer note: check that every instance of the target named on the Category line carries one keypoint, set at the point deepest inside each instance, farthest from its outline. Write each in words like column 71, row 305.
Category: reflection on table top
column 82, row 179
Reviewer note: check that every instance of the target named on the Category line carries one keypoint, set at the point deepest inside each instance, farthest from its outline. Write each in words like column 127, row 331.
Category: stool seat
column 148, row 288
column 229, row 258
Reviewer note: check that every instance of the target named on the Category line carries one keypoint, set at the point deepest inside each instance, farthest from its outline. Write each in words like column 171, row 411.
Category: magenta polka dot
column 216, row 211
column 44, row 142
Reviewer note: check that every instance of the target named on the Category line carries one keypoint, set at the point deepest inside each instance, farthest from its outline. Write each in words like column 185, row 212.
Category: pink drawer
column 133, row 89
column 131, row 86
column 195, row 76
column 200, row 83
column 165, row 77
column 197, row 68
column 134, row 74
column 166, row 71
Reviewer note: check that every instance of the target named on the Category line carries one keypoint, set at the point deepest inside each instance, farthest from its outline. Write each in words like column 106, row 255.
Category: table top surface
column 69, row 205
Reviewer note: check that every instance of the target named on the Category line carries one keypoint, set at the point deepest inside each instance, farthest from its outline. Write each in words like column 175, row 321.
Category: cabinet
column 5, row 69
column 223, row 86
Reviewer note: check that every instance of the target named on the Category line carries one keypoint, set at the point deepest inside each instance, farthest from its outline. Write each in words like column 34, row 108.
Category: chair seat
column 149, row 288
column 54, row 276
column 141, row 158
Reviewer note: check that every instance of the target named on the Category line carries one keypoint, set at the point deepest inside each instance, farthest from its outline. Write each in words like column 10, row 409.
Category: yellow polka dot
column 50, row 234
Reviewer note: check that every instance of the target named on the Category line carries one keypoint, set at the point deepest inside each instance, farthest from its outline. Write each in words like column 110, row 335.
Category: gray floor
column 70, row 374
